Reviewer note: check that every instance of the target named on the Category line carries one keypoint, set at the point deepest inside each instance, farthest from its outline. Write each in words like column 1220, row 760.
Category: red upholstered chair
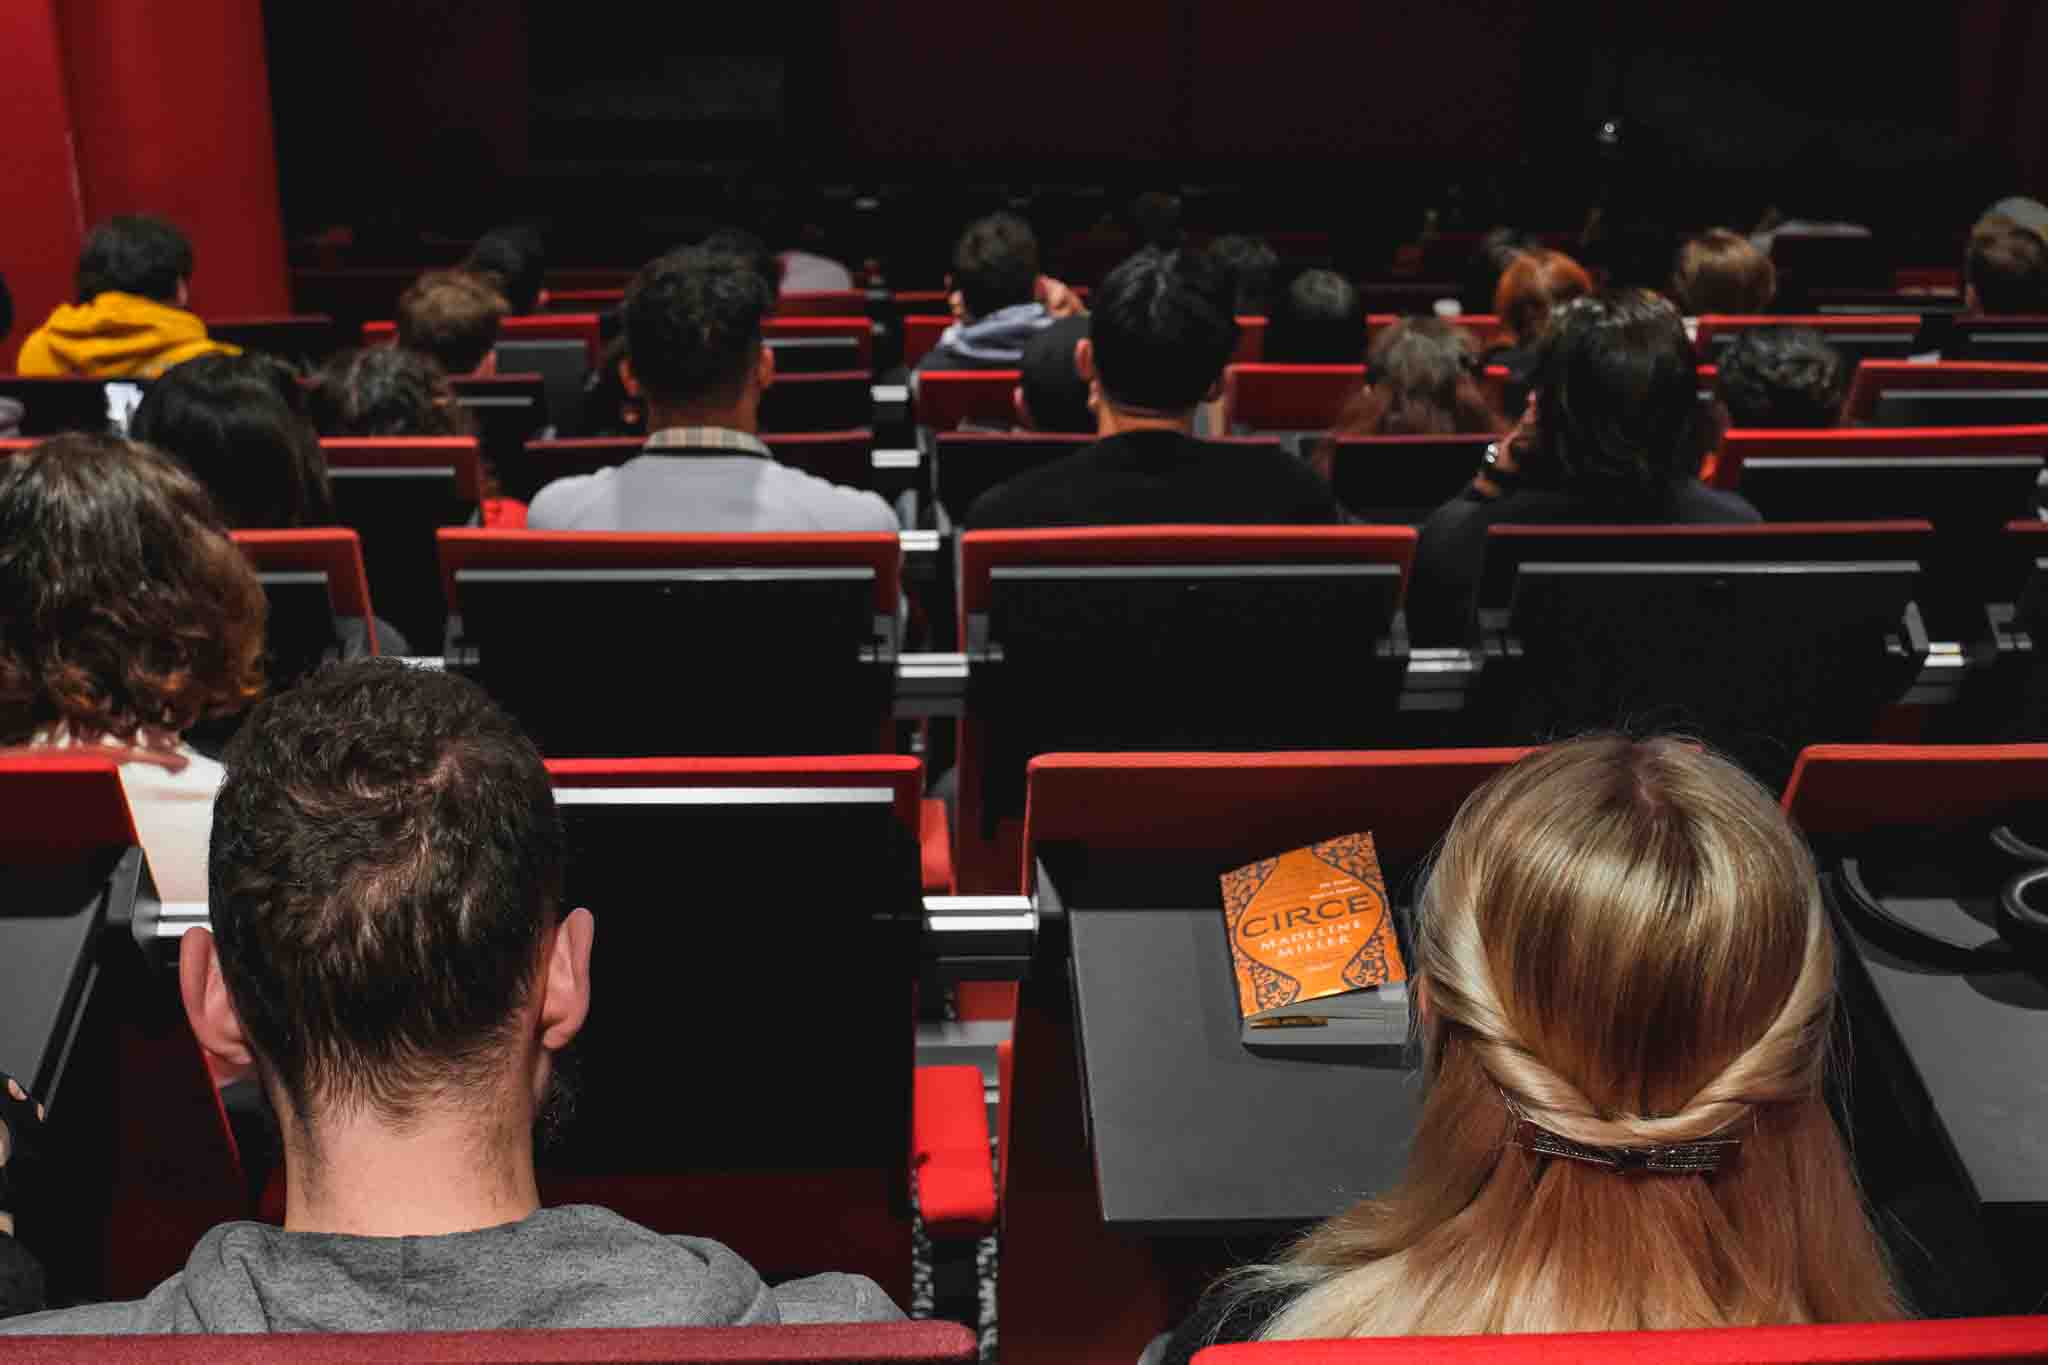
column 1739, row 445
column 969, row 463
column 1251, row 341
column 946, row 398
column 820, row 682
column 1215, row 810
column 306, row 338
column 921, row 332
column 807, row 1196
column 987, row 847
column 1402, row 478
column 2007, row 337
column 1975, row 392
column 15, row 445
column 141, row 1160
column 806, row 327
column 1925, row 1343
column 1859, row 336
column 395, row 492
column 841, row 457
column 878, row 1343
column 1287, row 397
column 581, row 327
column 829, row 400
column 823, row 303
column 299, row 632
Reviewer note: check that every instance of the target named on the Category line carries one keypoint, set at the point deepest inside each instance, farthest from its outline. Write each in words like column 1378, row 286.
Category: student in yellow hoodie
column 130, row 320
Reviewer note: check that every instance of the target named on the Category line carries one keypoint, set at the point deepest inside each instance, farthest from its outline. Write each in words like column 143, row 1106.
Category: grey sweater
column 574, row 1266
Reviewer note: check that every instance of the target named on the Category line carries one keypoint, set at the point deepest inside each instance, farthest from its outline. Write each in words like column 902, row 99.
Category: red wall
column 127, row 106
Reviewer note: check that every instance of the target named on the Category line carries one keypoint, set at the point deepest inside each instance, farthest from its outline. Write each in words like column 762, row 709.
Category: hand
column 956, row 303
column 20, row 1096
column 1059, row 300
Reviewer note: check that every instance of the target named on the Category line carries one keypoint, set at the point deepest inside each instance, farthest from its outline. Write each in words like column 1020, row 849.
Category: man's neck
column 740, row 416
column 448, row 1172
column 1111, row 420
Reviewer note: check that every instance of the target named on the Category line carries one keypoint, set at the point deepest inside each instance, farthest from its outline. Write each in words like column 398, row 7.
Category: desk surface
column 1190, row 1132
column 1977, row 1041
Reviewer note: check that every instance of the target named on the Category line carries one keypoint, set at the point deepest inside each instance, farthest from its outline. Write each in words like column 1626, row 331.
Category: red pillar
column 171, row 105
column 45, row 217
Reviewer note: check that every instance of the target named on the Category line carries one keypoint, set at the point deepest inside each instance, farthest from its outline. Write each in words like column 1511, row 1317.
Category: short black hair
column 1162, row 330
column 1618, row 416
column 134, row 254
column 1783, row 377
column 995, row 264
column 1319, row 319
column 693, row 324
column 2008, row 265
column 386, row 861
column 1054, row 392
column 1249, row 263
column 238, row 423
column 384, row 391
column 737, row 241
column 516, row 258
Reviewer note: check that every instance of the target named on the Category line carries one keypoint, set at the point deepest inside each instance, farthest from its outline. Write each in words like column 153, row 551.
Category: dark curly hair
column 386, row 861
column 1783, row 377
column 238, row 422
column 1618, row 416
column 693, row 325
column 384, row 391
column 124, row 605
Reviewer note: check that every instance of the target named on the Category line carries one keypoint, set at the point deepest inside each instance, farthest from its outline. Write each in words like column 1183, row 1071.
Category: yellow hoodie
column 116, row 336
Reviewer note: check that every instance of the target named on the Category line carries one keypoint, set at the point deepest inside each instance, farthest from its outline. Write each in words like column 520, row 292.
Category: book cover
column 1312, row 935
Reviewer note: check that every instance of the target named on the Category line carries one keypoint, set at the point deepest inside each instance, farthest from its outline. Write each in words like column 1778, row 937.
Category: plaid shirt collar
column 722, row 439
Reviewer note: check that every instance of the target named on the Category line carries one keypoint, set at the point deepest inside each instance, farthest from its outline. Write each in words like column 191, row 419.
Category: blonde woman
column 1627, row 992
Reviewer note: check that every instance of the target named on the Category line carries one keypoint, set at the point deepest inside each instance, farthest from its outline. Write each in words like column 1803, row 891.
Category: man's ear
column 1084, row 360
column 207, row 1003
column 565, row 982
column 764, row 368
column 627, row 381
column 184, row 293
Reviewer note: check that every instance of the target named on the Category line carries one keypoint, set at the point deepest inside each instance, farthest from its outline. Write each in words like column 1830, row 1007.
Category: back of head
column 1249, row 263
column 515, row 260
column 995, row 264
column 1419, row 382
column 1618, row 416
column 1534, row 286
column 1623, row 946
column 2007, row 268
column 134, row 254
column 1054, row 392
column 125, row 609
column 1319, row 319
column 1720, row 272
column 383, row 391
column 386, row 861
column 737, row 241
column 1155, row 215
column 1162, row 330
column 453, row 316
column 1783, row 377
column 693, row 325
column 236, row 422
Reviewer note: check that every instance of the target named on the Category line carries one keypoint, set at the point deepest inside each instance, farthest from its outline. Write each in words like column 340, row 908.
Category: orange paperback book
column 1312, row 938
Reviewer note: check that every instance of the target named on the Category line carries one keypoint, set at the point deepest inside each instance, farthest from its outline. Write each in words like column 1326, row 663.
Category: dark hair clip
column 1670, row 1158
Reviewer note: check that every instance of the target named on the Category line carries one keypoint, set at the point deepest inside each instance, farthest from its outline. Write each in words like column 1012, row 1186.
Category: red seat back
column 823, row 303
column 1874, row 377
column 883, row 1343
column 1287, row 397
column 334, row 551
column 456, row 453
column 1715, row 326
column 1740, row 444
column 1969, row 1339
column 581, row 327
column 802, row 326
column 829, row 400
column 946, row 398
column 899, row 772
column 921, row 332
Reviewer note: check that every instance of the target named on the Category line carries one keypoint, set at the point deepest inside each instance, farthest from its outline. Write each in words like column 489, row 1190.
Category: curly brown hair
column 124, row 604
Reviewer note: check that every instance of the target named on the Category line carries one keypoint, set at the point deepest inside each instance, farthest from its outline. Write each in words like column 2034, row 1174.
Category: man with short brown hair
column 453, row 316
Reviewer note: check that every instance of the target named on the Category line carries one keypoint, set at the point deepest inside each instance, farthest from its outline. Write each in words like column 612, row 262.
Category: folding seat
column 1952, row 393
column 508, row 409
column 921, row 332
column 805, row 344
column 619, row 643
column 832, row 400
column 303, row 339
column 1858, row 337
column 582, row 300
column 780, row 960
column 1251, row 341
column 314, row 580
column 1287, row 397
column 842, row 457
column 140, row 1160
column 395, row 492
column 1873, row 1343
column 1125, row 637
column 2003, row 338
column 969, row 463
column 1759, row 638
column 945, row 399
column 581, row 327
column 873, row 1343
column 1172, row 1131
column 824, row 303
column 1402, row 478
